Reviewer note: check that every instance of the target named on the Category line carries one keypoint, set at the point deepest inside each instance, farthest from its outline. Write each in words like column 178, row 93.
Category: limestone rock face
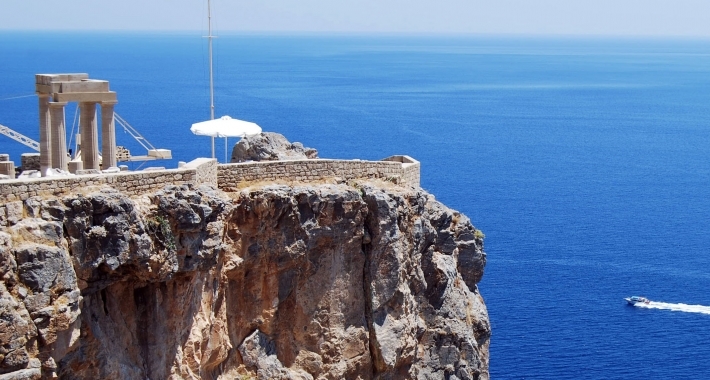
column 275, row 282
column 270, row 146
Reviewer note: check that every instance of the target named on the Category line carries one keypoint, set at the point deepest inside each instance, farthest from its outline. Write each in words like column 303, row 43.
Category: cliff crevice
column 358, row 281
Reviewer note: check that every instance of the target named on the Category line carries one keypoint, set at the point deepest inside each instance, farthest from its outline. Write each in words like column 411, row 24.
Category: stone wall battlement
column 227, row 177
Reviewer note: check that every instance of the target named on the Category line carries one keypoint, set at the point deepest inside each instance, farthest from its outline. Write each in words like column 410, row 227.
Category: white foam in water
column 676, row 307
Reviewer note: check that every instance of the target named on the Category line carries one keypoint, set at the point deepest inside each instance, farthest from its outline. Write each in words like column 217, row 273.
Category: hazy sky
column 586, row 17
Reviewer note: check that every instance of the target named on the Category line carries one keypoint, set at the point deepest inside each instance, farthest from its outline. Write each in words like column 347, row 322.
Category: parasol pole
column 209, row 43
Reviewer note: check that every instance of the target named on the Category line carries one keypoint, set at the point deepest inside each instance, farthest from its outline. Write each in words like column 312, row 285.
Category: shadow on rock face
column 278, row 282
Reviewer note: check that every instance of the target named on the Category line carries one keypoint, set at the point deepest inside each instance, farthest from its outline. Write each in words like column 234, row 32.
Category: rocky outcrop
column 275, row 282
column 270, row 146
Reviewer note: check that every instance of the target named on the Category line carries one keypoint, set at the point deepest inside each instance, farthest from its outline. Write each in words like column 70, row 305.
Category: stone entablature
column 402, row 170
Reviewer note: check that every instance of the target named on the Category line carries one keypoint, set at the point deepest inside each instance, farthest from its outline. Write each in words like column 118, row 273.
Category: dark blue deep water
column 585, row 162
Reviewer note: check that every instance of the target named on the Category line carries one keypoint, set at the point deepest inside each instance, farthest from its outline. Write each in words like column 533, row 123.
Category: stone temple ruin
column 89, row 170
column 54, row 91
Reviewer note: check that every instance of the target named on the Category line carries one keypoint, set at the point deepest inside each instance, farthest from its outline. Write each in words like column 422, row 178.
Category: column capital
column 58, row 104
column 42, row 94
column 108, row 103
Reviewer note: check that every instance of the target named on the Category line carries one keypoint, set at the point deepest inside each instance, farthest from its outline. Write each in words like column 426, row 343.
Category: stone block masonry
column 411, row 169
column 205, row 170
column 197, row 172
column 30, row 161
column 402, row 170
column 398, row 169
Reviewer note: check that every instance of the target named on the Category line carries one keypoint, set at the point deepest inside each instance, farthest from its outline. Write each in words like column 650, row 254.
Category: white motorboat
column 633, row 300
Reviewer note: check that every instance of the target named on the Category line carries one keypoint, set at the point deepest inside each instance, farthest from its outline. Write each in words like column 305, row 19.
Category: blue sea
column 586, row 162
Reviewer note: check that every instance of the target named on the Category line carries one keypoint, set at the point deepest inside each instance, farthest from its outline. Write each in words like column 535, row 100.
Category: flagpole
column 209, row 42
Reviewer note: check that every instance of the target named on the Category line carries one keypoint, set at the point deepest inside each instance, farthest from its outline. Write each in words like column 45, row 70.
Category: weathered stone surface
column 42, row 268
column 14, row 212
column 106, row 235
column 17, row 333
column 275, row 282
column 259, row 354
column 23, row 374
column 39, row 273
column 29, row 161
column 413, row 260
column 270, row 146
column 195, row 218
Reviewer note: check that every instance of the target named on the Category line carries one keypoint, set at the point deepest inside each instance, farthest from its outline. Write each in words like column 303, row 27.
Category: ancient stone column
column 59, row 135
column 89, row 136
column 108, row 136
column 45, row 149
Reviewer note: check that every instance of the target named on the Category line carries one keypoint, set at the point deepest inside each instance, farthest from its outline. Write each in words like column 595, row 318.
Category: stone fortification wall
column 228, row 177
column 231, row 176
column 197, row 172
column 205, row 171
column 411, row 169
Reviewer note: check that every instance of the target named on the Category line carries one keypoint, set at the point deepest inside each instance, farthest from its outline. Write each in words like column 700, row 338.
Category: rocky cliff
column 270, row 146
column 359, row 281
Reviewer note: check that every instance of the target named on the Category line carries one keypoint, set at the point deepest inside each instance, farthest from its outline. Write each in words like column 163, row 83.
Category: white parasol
column 225, row 127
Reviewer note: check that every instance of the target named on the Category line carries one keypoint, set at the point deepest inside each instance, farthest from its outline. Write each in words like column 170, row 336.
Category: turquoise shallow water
column 585, row 162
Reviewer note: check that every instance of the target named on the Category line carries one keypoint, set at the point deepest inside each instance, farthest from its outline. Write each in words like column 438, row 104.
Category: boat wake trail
column 700, row 309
